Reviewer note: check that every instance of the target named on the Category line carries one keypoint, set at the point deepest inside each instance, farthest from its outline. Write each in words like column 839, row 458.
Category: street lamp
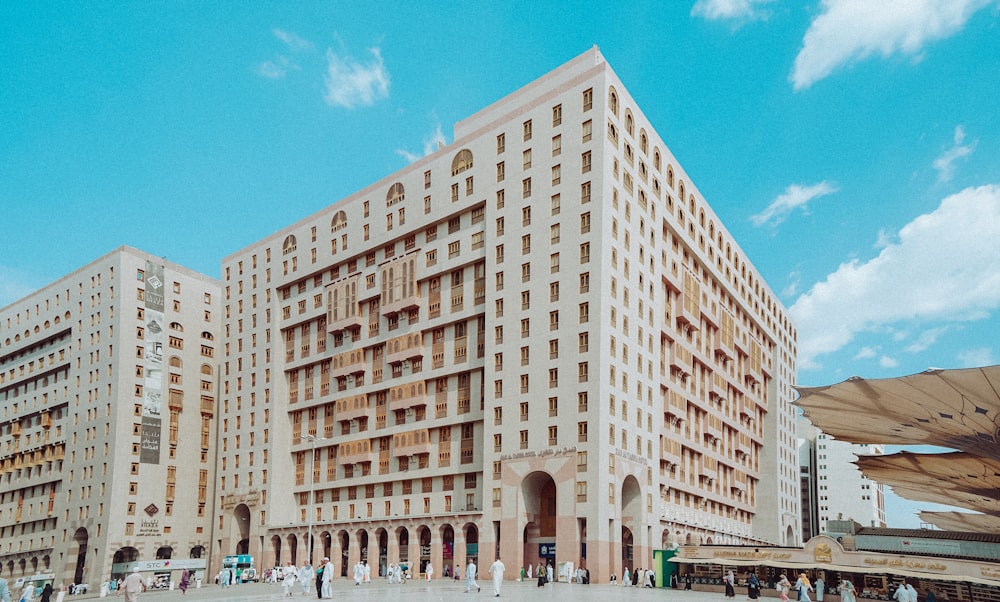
column 312, row 485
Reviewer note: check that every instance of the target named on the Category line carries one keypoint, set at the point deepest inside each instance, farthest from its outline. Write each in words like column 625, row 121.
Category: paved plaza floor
column 437, row 590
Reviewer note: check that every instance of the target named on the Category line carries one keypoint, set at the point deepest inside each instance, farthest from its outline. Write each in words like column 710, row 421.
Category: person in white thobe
column 470, row 577
column 429, row 571
column 359, row 573
column 368, row 572
column 497, row 569
column 327, row 578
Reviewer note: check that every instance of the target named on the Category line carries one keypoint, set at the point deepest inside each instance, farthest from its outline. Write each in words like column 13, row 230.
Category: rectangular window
column 585, row 223
column 556, row 174
column 556, row 204
column 526, row 159
column 588, row 99
column 556, row 145
column 584, row 193
column 501, row 143
column 585, row 162
column 526, row 128
column 501, row 172
column 588, row 130
column 526, row 188
column 556, row 115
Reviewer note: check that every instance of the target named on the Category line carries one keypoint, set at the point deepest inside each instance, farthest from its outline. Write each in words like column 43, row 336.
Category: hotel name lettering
column 148, row 528
column 231, row 500
column 751, row 555
column 539, row 454
column 897, row 563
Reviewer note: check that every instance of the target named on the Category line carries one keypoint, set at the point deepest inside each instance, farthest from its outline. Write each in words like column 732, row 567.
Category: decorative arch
column 395, row 194
column 339, row 221
column 629, row 123
column 164, row 553
column 538, row 500
column 175, row 362
column 613, row 100
column 207, row 335
column 276, row 550
column 289, row 245
column 461, row 162
column 206, row 369
column 643, row 141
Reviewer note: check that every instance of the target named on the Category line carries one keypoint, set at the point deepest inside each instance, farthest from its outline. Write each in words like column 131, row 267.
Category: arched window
column 176, row 326
column 629, row 123
column 289, row 245
column 643, row 141
column 613, row 101
column 461, row 162
column 338, row 222
column 670, row 176
column 395, row 194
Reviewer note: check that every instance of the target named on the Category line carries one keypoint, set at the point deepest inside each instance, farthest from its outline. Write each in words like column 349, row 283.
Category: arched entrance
column 631, row 522
column 538, row 499
column 447, row 550
column 382, row 536
column 403, row 535
column 276, row 550
column 241, row 522
column 363, row 545
column 164, row 553
column 424, row 535
column 293, row 548
column 345, row 544
column 80, row 539
column 122, row 556
column 472, row 543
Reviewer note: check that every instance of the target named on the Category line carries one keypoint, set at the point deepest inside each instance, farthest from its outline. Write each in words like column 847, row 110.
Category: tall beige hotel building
column 538, row 342
column 108, row 386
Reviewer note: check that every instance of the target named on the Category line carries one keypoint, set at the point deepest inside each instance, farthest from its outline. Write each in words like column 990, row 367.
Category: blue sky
column 850, row 146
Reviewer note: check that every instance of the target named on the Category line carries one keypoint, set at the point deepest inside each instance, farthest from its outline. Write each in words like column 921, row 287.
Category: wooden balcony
column 670, row 451
column 407, row 396
column 675, row 406
column 712, row 429
column 356, row 452
column 352, row 407
column 680, row 360
column 719, row 389
column 349, row 362
column 412, row 443
column 404, row 347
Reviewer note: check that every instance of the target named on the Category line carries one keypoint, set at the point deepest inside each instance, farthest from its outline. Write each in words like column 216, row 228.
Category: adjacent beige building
column 108, row 388
column 539, row 342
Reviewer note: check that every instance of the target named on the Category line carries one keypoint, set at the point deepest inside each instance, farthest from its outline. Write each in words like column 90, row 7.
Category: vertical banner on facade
column 152, row 386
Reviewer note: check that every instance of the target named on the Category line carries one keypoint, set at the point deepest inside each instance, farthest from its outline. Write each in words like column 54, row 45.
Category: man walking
column 497, row 569
column 470, row 577
column 133, row 586
column 327, row 578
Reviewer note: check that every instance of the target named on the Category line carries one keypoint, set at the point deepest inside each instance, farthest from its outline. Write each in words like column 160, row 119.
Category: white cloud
column 945, row 163
column 974, row 358
column 431, row 143
column 794, row 197
column 275, row 69
column 926, row 339
column 732, row 10
column 852, row 30
column 887, row 362
column 866, row 353
column 293, row 41
column 279, row 67
column 944, row 267
column 350, row 83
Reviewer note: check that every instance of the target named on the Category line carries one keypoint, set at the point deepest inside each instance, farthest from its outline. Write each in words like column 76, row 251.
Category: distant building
column 539, row 341
column 108, row 385
column 833, row 489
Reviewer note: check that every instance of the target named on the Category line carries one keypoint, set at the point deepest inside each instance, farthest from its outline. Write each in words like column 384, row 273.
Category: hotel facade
column 538, row 342
column 108, row 388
